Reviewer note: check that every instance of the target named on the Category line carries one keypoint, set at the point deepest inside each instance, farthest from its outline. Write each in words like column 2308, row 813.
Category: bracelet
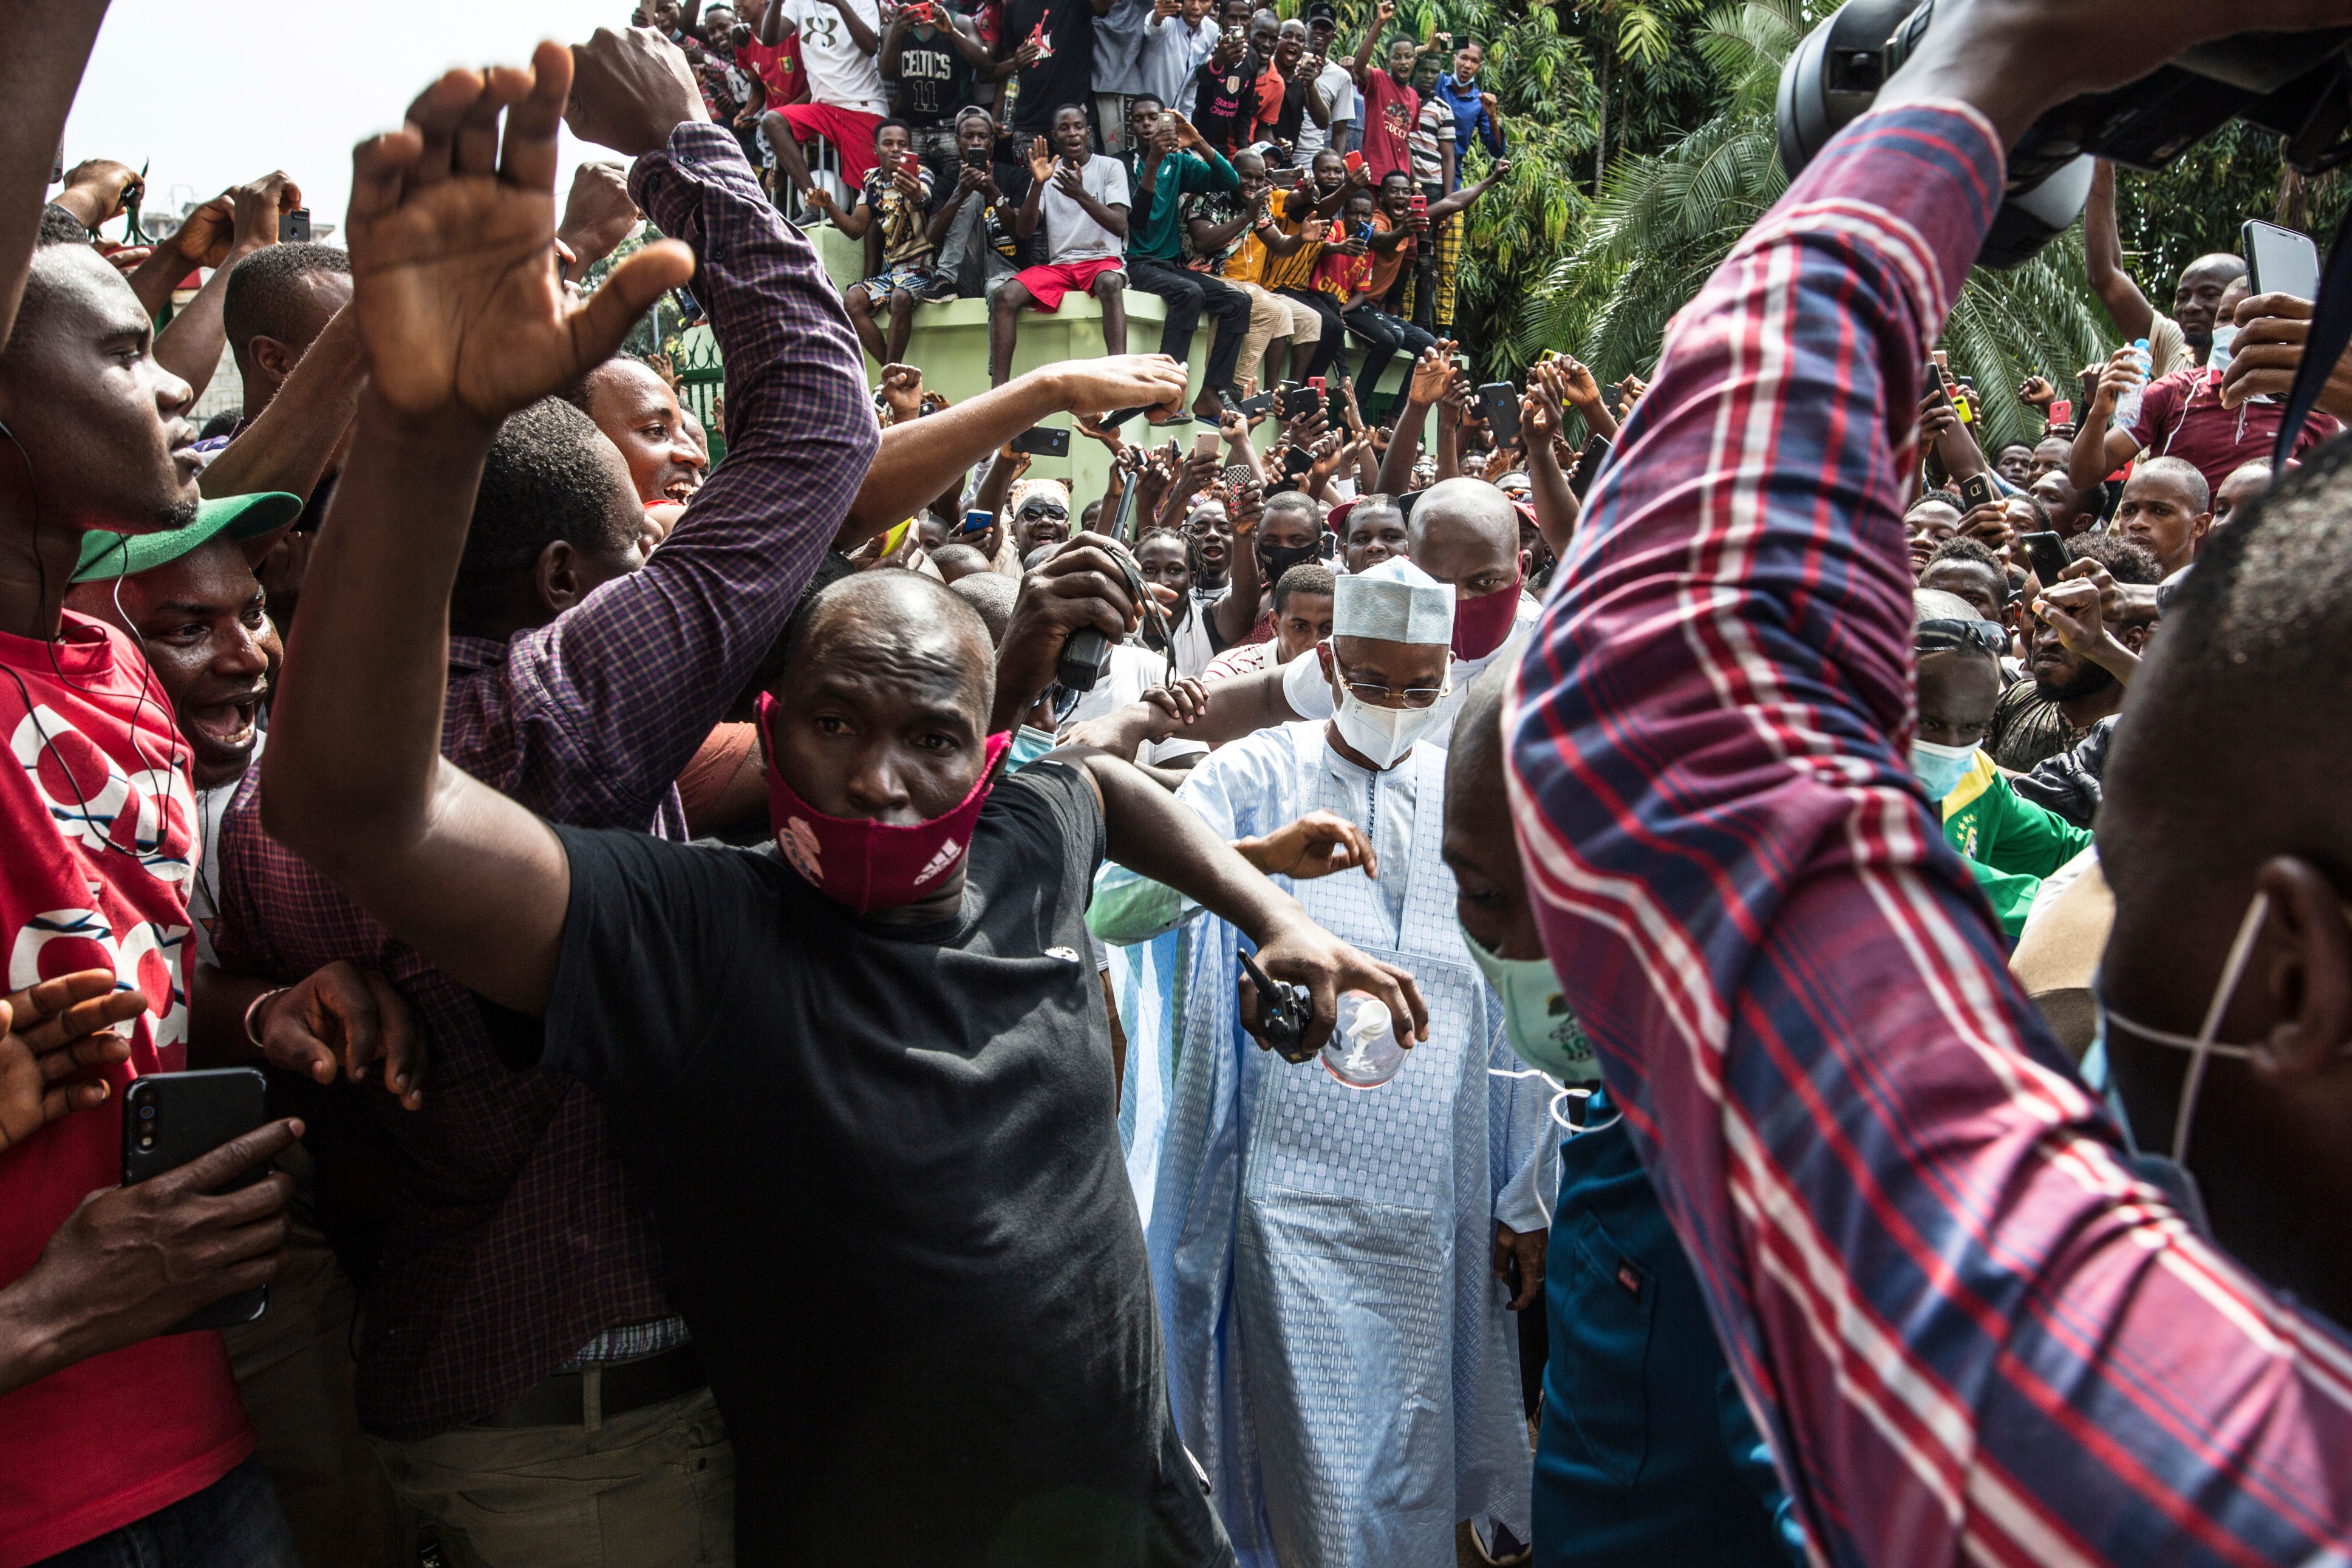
column 253, row 1009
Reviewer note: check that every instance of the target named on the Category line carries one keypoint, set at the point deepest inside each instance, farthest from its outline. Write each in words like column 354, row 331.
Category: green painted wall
column 951, row 342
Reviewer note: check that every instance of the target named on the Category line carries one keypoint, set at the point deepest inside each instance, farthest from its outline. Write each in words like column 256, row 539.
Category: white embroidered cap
column 1395, row 601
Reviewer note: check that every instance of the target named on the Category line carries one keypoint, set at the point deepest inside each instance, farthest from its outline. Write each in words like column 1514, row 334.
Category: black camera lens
column 146, row 1113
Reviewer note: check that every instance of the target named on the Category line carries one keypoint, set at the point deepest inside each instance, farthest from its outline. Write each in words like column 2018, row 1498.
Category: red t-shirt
column 111, row 1439
column 1386, row 268
column 2181, row 416
column 1389, row 113
column 778, row 67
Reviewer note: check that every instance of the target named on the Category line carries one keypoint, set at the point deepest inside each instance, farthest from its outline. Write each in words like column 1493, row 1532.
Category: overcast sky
column 219, row 92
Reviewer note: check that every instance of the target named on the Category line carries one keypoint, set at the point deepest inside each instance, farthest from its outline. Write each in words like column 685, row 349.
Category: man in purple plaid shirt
column 519, row 1364
column 1970, row 1328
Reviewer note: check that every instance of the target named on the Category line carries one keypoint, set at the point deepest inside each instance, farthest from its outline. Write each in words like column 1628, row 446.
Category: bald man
column 866, row 1075
column 2175, row 343
column 1463, row 532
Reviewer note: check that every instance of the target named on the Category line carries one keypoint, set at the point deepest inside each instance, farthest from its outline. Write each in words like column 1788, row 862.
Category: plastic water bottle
column 2128, row 405
column 1362, row 1052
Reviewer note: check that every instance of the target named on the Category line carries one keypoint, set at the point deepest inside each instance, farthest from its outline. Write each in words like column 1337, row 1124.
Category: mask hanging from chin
column 1483, row 624
column 1536, row 1019
column 867, row 865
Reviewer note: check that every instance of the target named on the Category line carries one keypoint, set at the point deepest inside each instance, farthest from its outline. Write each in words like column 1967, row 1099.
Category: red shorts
column 1047, row 285
column 851, row 133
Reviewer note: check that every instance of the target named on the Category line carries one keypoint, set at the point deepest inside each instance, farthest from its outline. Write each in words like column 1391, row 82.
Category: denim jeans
column 233, row 1523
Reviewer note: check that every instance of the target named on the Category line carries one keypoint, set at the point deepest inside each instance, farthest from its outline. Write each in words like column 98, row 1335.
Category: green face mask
column 1536, row 1019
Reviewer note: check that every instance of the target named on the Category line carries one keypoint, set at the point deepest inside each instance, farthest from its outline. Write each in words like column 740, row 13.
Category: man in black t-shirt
column 1225, row 92
column 972, row 216
column 1063, row 73
column 932, row 57
column 866, row 1074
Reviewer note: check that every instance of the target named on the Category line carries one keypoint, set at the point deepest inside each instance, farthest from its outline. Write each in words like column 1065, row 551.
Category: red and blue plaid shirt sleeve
column 603, row 707
column 1967, row 1328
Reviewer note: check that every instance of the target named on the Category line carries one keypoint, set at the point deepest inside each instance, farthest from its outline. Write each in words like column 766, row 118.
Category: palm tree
column 1667, row 220
column 1644, row 36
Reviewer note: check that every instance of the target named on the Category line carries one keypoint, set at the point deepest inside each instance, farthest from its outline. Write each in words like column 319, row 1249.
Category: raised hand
column 902, row 392
column 1989, row 526
column 57, row 1036
column 241, row 218
column 2037, row 392
column 97, row 188
column 453, row 262
column 599, row 213
column 1433, row 374
column 628, row 91
column 1041, row 160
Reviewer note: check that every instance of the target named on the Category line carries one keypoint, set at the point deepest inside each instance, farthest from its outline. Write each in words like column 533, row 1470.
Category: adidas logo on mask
column 949, row 854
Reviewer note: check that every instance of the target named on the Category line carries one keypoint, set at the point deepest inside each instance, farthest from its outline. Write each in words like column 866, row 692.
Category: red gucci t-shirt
column 101, row 849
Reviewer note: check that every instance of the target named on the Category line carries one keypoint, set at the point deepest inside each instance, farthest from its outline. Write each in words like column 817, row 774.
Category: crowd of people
column 1509, row 972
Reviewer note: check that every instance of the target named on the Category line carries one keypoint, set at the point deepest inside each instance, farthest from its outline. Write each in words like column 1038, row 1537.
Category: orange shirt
column 1386, row 268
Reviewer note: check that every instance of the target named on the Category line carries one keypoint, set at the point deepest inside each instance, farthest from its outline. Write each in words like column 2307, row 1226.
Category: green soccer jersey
column 2012, row 844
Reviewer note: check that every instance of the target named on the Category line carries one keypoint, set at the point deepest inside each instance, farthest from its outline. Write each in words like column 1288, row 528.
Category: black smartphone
column 1936, row 396
column 1977, row 491
column 1043, row 441
column 294, row 226
column 2280, row 260
column 975, row 157
column 1499, row 401
column 2046, row 552
column 1259, row 405
column 1588, row 466
column 170, row 1119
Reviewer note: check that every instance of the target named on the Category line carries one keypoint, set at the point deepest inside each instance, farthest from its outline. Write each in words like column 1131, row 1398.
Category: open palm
column 453, row 262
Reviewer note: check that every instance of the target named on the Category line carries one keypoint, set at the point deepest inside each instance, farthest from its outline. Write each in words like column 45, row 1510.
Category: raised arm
column 2103, row 256
column 1382, row 15
column 861, row 32
column 1432, row 373
column 455, row 286
column 190, row 346
column 1543, row 415
column 1041, row 169
column 2098, row 451
column 653, row 657
column 920, row 458
column 1967, row 1331
column 1445, row 207
column 48, row 46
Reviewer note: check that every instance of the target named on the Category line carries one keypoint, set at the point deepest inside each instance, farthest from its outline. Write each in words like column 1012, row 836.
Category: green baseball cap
column 106, row 555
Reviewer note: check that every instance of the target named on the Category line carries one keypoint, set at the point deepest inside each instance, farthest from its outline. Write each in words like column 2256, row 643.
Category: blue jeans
column 233, row 1523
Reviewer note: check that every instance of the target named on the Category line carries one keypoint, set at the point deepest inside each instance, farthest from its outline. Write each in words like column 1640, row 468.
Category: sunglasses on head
column 1960, row 637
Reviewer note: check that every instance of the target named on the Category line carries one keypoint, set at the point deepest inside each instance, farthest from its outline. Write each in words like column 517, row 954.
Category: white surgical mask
column 1536, row 1019
column 1941, row 768
column 1382, row 734
column 2201, row 1046
column 2225, row 339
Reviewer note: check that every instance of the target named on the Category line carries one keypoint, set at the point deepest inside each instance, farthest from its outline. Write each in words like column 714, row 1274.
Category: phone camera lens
column 146, row 1113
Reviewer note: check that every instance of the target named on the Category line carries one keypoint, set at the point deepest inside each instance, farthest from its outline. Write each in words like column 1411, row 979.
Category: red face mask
column 865, row 864
column 1483, row 624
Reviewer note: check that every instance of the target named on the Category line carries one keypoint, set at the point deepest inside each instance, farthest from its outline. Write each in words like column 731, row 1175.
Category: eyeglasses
column 1379, row 696
column 1043, row 509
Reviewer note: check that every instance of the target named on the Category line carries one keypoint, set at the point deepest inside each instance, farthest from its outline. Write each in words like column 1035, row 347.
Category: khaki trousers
column 1272, row 316
column 649, row 1488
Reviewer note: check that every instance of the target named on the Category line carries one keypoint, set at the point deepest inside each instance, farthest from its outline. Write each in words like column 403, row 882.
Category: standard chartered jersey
column 1309, row 692
column 103, row 849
